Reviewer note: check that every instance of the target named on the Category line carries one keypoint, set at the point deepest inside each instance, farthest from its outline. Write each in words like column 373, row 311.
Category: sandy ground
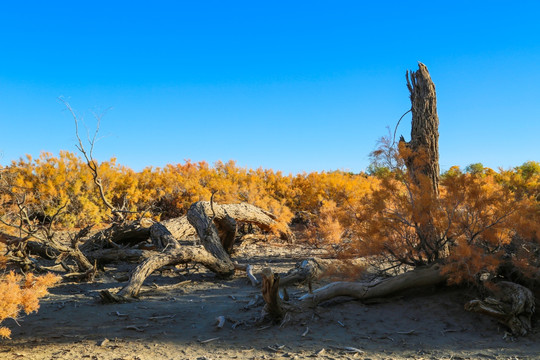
column 180, row 323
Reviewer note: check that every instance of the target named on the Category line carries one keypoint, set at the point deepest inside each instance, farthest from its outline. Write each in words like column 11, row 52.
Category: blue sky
column 293, row 85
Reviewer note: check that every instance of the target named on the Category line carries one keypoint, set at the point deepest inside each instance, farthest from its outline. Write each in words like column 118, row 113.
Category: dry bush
column 20, row 293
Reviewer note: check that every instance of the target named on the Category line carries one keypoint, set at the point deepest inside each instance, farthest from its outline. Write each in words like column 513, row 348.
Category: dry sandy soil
column 180, row 323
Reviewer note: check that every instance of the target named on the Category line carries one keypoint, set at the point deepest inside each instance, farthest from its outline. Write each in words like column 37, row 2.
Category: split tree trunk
column 423, row 161
column 425, row 128
column 202, row 218
column 273, row 308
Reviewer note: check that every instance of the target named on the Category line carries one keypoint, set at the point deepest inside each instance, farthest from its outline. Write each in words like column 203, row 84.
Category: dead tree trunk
column 423, row 160
column 248, row 213
column 119, row 234
column 363, row 291
column 270, row 291
column 173, row 257
column 425, row 128
column 216, row 227
column 201, row 218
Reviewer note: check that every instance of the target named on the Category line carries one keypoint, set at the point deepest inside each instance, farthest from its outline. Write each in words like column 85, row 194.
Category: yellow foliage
column 21, row 293
column 475, row 218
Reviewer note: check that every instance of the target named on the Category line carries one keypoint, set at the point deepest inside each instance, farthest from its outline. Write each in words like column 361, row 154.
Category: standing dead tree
column 424, row 143
column 513, row 304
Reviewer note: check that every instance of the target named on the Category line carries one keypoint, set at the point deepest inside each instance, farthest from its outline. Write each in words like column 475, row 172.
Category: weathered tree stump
column 425, row 128
column 273, row 308
column 512, row 305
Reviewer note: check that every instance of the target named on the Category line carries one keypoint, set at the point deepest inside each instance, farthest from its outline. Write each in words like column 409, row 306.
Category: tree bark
column 180, row 228
column 270, row 291
column 106, row 256
column 129, row 233
column 425, row 127
column 251, row 214
column 201, row 218
column 423, row 161
column 162, row 238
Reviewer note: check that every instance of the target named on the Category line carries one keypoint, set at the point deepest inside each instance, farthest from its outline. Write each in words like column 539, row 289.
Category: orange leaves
column 18, row 293
column 328, row 229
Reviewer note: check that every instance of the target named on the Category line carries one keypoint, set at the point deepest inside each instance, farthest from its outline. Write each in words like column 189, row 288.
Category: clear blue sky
column 293, row 85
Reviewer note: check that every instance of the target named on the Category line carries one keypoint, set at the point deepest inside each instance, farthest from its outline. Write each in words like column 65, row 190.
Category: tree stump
column 273, row 309
column 512, row 305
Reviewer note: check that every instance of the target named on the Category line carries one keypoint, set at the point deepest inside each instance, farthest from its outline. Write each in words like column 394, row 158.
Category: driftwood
column 417, row 278
column 511, row 304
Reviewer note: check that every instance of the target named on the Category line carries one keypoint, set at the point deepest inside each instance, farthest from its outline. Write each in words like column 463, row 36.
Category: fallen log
column 250, row 214
column 119, row 234
column 212, row 255
column 420, row 277
column 162, row 238
column 304, row 271
column 106, row 256
column 173, row 257
column 180, row 228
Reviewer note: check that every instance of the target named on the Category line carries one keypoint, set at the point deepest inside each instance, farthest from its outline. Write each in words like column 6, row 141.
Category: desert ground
column 176, row 318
